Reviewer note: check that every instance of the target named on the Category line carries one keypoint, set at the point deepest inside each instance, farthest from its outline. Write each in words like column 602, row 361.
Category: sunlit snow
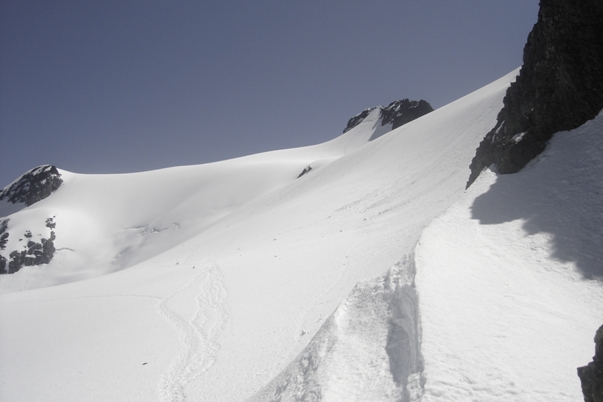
column 240, row 280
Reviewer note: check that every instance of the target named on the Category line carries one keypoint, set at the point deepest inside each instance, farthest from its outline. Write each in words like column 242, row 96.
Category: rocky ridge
column 31, row 253
column 33, row 186
column 560, row 86
column 397, row 113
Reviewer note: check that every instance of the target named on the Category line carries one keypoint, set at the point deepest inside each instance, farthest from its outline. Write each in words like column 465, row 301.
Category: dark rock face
column 404, row 111
column 591, row 375
column 3, row 233
column 33, row 186
column 3, row 240
column 560, row 85
column 396, row 113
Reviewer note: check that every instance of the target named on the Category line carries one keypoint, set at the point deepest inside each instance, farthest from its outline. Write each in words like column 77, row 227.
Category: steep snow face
column 510, row 279
column 233, row 267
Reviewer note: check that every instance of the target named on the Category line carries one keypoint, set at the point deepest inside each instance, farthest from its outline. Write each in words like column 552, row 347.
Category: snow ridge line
column 205, row 295
column 403, row 345
column 367, row 350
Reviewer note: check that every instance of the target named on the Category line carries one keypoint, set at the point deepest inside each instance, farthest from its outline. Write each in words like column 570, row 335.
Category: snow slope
column 238, row 280
column 507, row 279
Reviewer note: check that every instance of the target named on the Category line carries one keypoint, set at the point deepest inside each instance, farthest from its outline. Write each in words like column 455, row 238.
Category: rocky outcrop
column 3, row 233
column 306, row 170
column 404, row 111
column 396, row 113
column 591, row 375
column 560, row 85
column 33, row 186
column 33, row 253
column 3, row 240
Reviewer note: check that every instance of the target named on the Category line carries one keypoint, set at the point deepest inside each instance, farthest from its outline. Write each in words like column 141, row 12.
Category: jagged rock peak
column 33, row 186
column 591, row 376
column 404, row 111
column 560, row 85
column 396, row 113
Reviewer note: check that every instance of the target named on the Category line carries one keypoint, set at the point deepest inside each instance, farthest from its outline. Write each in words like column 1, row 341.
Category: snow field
column 509, row 299
column 220, row 276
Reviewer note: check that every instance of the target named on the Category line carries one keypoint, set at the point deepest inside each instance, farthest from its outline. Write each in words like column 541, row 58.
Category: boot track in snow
column 198, row 312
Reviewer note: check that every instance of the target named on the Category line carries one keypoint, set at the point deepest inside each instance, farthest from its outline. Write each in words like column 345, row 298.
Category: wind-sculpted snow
column 242, row 279
column 121, row 314
column 367, row 350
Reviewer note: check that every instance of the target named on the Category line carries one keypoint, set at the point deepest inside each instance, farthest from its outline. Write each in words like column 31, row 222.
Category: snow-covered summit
column 244, row 279
column 31, row 187
column 231, row 267
column 359, row 269
column 107, row 223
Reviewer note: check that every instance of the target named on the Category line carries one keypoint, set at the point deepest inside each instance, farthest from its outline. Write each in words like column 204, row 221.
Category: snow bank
column 367, row 350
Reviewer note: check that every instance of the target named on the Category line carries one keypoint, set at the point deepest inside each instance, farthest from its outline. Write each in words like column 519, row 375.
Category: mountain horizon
column 362, row 268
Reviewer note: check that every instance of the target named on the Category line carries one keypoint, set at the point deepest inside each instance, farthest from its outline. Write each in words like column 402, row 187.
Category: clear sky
column 108, row 86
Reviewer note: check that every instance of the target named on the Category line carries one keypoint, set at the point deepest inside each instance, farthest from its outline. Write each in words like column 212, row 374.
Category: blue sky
column 121, row 86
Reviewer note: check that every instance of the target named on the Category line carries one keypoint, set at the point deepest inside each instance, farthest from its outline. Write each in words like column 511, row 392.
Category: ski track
column 206, row 294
